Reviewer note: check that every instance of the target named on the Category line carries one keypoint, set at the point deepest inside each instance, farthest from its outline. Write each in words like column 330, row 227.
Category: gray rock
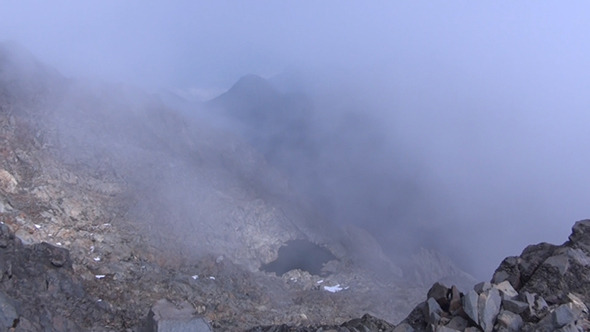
column 403, row 327
column 482, row 287
column 470, row 306
column 537, row 307
column 560, row 262
column 434, row 311
column 444, row 329
column 457, row 323
column 439, row 292
column 506, row 290
column 581, row 234
column 489, row 303
column 514, row 306
column 8, row 314
column 508, row 270
column 166, row 317
column 509, row 321
column 455, row 305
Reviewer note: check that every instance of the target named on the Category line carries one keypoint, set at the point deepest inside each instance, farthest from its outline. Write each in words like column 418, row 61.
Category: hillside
column 110, row 201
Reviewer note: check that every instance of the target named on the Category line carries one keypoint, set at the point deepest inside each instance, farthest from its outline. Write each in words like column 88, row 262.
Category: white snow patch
column 37, row 226
column 320, row 281
column 334, row 289
column 59, row 243
column 99, row 276
column 195, row 277
column 212, row 278
column 96, row 259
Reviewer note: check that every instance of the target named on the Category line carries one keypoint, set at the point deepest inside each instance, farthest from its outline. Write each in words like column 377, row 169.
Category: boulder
column 470, row 306
column 489, row 303
column 482, row 287
column 514, row 306
column 166, row 317
column 434, row 311
column 440, row 293
column 457, row 323
column 506, row 290
column 8, row 314
column 403, row 327
column 509, row 321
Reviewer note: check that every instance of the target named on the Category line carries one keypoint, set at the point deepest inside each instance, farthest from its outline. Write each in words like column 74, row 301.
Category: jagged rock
column 439, row 292
column 444, row 329
column 489, row 303
column 166, row 317
column 470, row 306
column 506, row 290
column 403, row 327
column 458, row 323
column 8, row 315
column 537, row 307
column 434, row 311
column 482, row 287
column 508, row 270
column 7, row 181
column 514, row 306
column 581, row 234
column 509, row 321
column 455, row 305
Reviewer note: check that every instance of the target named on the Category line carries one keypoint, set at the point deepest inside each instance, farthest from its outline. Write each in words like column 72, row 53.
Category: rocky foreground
column 546, row 288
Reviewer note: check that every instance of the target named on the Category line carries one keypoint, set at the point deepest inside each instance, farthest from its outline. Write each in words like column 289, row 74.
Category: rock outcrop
column 546, row 288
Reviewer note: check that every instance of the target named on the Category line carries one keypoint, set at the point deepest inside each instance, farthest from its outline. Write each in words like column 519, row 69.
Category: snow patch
column 335, row 289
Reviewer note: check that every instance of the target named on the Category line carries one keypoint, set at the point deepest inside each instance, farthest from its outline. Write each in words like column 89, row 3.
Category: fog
column 462, row 126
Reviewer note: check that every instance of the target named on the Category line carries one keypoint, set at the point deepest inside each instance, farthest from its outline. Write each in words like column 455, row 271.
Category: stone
column 514, row 306
column 457, row 323
column 482, row 287
column 509, row 321
column 166, row 317
column 8, row 314
column 7, row 182
column 508, row 270
column 455, row 305
column 560, row 262
column 444, row 329
column 403, row 327
column 506, row 290
column 489, row 303
column 470, row 306
column 537, row 307
column 439, row 292
column 434, row 311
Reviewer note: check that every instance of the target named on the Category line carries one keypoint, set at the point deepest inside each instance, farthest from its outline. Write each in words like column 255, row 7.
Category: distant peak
column 252, row 85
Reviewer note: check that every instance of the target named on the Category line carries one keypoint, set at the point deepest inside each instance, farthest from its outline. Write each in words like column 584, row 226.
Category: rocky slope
column 111, row 202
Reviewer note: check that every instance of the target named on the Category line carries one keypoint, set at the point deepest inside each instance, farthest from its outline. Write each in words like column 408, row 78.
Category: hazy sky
column 493, row 97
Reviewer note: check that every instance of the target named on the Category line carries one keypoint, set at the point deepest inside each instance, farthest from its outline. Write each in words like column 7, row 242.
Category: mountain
column 118, row 212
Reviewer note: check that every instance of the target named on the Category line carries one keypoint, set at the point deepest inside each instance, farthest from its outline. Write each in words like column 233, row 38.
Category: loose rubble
column 546, row 288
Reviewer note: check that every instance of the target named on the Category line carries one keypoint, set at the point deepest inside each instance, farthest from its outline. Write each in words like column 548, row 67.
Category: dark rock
column 57, row 256
column 508, row 270
column 514, row 306
column 439, row 292
column 403, row 327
